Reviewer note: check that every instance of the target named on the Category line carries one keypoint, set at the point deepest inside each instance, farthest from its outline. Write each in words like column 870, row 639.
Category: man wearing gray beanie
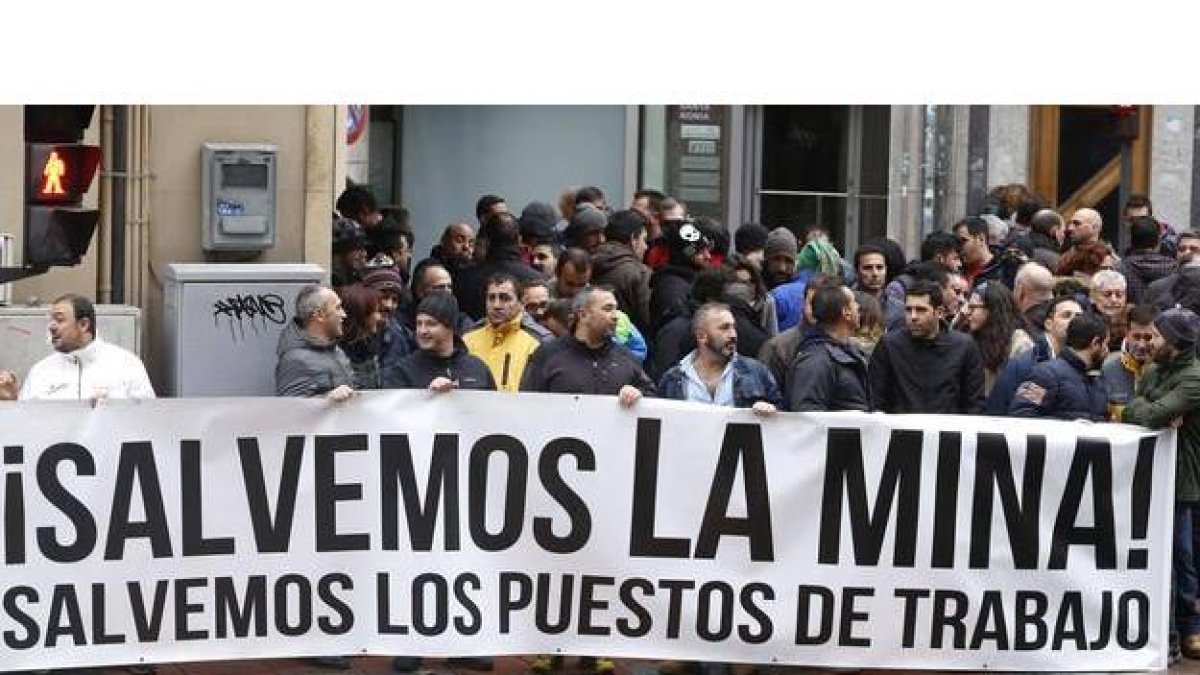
column 779, row 257
column 1169, row 395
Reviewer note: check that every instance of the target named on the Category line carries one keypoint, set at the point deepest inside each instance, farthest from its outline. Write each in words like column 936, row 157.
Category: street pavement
column 508, row 665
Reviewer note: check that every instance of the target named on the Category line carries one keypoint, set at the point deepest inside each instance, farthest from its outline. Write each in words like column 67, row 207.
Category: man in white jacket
column 83, row 366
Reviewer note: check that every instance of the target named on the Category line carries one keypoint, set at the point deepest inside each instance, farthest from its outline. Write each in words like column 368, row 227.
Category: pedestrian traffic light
column 58, row 172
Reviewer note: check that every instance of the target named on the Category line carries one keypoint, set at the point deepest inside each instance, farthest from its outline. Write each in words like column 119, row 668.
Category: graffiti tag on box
column 253, row 310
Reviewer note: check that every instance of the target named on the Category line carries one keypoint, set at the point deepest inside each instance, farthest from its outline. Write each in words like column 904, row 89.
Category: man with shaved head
column 1032, row 290
column 1084, row 226
column 1083, row 236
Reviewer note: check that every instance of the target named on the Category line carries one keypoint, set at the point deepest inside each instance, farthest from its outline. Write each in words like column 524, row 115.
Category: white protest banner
column 482, row 523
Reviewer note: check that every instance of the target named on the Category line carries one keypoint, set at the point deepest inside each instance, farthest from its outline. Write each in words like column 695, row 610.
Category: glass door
column 824, row 165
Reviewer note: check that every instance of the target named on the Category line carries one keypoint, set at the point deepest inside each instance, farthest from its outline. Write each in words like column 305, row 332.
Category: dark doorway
column 1086, row 145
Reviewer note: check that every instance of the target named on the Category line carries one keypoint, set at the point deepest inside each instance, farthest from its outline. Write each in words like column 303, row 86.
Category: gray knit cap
column 781, row 240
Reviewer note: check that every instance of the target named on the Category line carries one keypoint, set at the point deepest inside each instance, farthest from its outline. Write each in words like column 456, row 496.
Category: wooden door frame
column 1044, row 137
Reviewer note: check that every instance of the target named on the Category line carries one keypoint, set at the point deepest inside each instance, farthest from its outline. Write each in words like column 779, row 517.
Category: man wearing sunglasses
column 979, row 263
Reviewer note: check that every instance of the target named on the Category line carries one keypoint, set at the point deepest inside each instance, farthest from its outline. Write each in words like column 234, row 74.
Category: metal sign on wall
column 696, row 163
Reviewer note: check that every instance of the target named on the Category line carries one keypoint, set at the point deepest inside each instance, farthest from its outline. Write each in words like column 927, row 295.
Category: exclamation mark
column 1139, row 515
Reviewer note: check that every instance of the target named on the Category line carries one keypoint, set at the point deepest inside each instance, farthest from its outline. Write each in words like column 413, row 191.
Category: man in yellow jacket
column 507, row 336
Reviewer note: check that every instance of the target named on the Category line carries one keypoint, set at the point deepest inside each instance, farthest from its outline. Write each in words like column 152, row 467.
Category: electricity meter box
column 238, row 196
column 222, row 323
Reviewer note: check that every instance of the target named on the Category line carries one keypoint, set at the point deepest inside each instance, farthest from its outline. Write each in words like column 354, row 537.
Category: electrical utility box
column 223, row 322
column 237, row 193
column 25, row 333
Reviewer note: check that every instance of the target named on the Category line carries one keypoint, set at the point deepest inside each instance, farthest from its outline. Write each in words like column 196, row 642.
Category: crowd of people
column 1014, row 311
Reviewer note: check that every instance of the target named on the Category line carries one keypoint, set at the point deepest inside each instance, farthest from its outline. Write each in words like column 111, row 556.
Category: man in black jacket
column 502, row 235
column 1068, row 387
column 689, row 254
column 618, row 263
column 830, row 373
column 1165, row 292
column 1145, row 264
column 586, row 361
column 778, row 352
column 441, row 362
column 925, row 367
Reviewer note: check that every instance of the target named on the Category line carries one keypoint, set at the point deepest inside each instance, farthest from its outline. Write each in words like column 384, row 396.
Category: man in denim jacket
column 715, row 373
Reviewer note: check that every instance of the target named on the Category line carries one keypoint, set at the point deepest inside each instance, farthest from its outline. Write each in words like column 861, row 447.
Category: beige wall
column 177, row 133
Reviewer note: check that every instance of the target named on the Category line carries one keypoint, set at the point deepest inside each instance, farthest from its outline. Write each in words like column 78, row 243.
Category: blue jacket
column 789, row 300
column 752, row 382
column 1063, row 389
column 1016, row 370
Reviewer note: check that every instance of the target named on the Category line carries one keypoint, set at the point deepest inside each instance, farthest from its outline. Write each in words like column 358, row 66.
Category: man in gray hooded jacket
column 310, row 361
column 311, row 364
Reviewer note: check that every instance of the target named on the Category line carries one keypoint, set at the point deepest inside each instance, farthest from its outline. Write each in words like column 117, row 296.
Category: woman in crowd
column 992, row 318
column 361, row 331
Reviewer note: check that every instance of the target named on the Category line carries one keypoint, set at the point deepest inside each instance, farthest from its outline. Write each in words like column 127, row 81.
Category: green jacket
column 1165, row 392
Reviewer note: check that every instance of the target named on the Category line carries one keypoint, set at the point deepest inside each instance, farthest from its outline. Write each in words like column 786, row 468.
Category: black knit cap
column 623, row 225
column 537, row 221
column 441, row 307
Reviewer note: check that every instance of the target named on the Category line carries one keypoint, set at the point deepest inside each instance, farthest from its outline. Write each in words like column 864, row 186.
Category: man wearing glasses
column 431, row 276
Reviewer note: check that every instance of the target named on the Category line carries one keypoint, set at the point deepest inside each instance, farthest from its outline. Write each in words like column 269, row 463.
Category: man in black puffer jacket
column 1068, row 387
column 441, row 362
column 829, row 372
column 586, row 361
